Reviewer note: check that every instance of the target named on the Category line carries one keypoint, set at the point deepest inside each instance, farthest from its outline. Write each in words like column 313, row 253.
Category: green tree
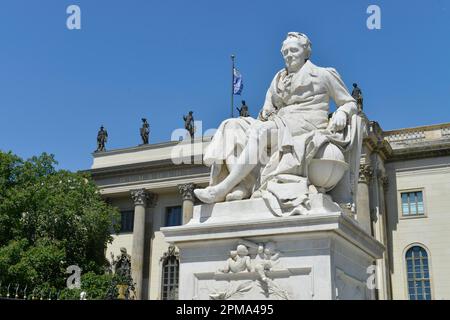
column 97, row 287
column 50, row 219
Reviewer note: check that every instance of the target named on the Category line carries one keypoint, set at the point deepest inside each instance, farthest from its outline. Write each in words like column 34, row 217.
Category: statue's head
column 123, row 251
column 296, row 50
column 355, row 85
column 260, row 248
column 242, row 250
column 270, row 248
column 243, row 102
column 190, row 112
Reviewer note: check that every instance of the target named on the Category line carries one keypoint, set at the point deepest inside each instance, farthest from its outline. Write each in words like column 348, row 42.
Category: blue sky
column 160, row 59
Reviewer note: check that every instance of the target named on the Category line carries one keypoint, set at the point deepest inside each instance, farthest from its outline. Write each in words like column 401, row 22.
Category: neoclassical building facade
column 403, row 201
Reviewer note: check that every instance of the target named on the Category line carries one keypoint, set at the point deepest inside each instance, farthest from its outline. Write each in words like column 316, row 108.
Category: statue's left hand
column 266, row 115
column 338, row 121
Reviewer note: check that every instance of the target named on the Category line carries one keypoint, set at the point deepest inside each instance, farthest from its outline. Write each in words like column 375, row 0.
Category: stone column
column 384, row 180
column 152, row 199
column 141, row 199
column 380, row 226
column 363, row 205
column 187, row 193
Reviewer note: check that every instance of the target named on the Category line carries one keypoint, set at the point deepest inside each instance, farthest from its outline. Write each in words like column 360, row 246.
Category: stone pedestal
column 324, row 255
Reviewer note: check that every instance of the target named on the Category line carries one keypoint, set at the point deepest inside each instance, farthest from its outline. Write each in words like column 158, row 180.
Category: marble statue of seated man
column 274, row 156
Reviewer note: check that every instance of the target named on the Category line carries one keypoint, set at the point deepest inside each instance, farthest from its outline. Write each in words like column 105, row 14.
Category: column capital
column 365, row 173
column 144, row 198
column 187, row 191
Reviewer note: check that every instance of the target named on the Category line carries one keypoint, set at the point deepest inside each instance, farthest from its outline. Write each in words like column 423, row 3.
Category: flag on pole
column 238, row 85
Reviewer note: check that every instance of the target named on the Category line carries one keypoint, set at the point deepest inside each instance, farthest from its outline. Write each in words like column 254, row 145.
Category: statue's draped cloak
column 299, row 104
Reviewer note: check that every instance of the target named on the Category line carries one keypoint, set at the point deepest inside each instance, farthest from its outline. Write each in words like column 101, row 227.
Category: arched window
column 418, row 274
column 170, row 274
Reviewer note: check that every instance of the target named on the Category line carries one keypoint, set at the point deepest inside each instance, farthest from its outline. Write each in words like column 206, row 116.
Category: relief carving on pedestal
column 238, row 261
column 260, row 264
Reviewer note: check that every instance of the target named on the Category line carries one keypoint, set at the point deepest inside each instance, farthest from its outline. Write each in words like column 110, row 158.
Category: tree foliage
column 96, row 286
column 50, row 219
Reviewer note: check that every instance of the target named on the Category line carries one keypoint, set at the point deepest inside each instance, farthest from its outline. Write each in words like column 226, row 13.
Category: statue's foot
column 238, row 193
column 208, row 195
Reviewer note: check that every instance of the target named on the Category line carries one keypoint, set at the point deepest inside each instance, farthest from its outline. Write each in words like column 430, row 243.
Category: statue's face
column 294, row 54
column 241, row 250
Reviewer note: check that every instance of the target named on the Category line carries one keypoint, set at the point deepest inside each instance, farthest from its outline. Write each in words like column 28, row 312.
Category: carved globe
column 327, row 168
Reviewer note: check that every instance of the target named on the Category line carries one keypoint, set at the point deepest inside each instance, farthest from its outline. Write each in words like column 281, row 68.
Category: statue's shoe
column 208, row 195
column 238, row 193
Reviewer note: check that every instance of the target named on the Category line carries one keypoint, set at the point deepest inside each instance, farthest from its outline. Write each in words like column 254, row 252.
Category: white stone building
column 403, row 201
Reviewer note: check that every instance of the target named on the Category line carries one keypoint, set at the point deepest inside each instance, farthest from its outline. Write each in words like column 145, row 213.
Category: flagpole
column 232, row 85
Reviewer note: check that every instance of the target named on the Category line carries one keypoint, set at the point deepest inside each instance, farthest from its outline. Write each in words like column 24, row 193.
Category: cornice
column 146, row 147
column 139, row 168
column 375, row 145
column 414, row 129
column 425, row 150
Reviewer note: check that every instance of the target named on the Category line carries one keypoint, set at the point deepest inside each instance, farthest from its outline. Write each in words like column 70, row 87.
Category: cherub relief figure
column 238, row 261
column 266, row 259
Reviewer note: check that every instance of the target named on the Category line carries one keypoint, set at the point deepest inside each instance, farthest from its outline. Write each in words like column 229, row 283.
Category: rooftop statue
column 145, row 131
column 357, row 94
column 292, row 150
column 243, row 111
column 102, row 138
column 189, row 124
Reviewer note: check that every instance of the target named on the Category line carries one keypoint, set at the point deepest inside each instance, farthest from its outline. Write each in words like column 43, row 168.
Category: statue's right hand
column 338, row 121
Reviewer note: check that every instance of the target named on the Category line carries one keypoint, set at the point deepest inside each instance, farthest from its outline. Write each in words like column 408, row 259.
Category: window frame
column 405, row 270
column 171, row 253
column 166, row 215
column 400, row 204
column 131, row 212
